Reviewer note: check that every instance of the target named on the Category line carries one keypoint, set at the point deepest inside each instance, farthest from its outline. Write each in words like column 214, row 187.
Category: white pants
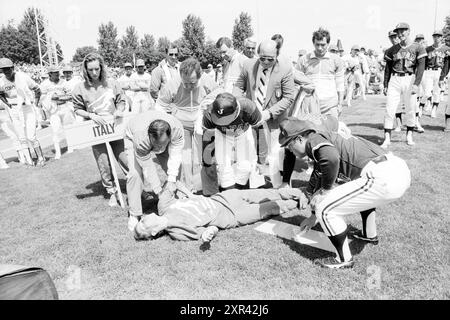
column 399, row 91
column 430, row 83
column 191, row 163
column 142, row 102
column 59, row 118
column 242, row 148
column 8, row 127
column 378, row 185
column 275, row 156
column 24, row 121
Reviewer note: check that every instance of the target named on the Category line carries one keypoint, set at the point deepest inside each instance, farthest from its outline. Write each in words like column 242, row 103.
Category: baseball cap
column 356, row 47
column 392, row 34
column 127, row 64
column 140, row 63
column 291, row 128
column 219, row 65
column 401, row 25
column 420, row 36
column 437, row 33
column 51, row 69
column 225, row 109
column 6, row 63
column 67, row 68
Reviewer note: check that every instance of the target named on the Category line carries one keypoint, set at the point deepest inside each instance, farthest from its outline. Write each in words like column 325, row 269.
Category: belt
column 401, row 74
column 379, row 159
column 433, row 68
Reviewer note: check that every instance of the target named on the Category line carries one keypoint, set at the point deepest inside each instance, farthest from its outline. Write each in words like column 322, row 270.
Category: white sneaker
column 113, row 201
column 57, row 155
column 132, row 222
column 398, row 129
column 385, row 144
column 409, row 141
column 3, row 165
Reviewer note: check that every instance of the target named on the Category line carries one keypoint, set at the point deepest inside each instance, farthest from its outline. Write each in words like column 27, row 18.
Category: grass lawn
column 57, row 218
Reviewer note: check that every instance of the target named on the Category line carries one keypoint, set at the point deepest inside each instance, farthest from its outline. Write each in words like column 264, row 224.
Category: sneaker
column 57, row 156
column 333, row 263
column 385, row 144
column 398, row 129
column 132, row 222
column 3, row 165
column 433, row 113
column 358, row 235
column 113, row 201
column 419, row 129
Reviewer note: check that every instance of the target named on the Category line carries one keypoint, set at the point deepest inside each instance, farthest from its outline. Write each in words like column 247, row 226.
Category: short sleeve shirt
column 405, row 59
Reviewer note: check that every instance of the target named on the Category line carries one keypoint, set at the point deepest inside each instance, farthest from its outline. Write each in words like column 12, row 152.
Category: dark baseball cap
column 225, row 109
column 401, row 25
column 437, row 33
column 291, row 128
column 392, row 34
column 420, row 36
column 333, row 47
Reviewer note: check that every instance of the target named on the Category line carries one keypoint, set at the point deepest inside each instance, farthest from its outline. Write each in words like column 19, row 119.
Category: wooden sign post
column 88, row 133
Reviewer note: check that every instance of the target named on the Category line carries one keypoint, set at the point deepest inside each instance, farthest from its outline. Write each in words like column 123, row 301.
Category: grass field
column 57, row 218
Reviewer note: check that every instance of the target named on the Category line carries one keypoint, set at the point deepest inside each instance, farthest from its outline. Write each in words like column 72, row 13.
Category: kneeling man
column 198, row 217
column 375, row 178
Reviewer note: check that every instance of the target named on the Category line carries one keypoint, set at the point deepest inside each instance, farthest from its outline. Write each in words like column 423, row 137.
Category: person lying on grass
column 197, row 217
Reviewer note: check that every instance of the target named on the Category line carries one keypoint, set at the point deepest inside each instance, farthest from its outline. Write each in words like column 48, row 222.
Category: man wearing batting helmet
column 374, row 178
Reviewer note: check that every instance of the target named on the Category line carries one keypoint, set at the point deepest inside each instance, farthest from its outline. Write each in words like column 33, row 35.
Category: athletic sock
column 340, row 243
column 227, row 188
column 368, row 221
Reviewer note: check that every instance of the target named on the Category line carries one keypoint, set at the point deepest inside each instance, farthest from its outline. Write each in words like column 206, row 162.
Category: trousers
column 378, row 185
column 399, row 91
column 430, row 83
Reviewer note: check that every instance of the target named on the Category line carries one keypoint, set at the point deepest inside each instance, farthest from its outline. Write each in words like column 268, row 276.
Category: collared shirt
column 161, row 75
column 327, row 74
column 233, row 71
column 137, row 134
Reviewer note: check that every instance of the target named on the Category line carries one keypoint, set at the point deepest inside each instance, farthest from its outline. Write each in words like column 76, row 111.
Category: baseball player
column 140, row 85
column 19, row 92
column 199, row 217
column 433, row 68
column 405, row 63
column 7, row 125
column 374, row 178
column 55, row 100
column 231, row 120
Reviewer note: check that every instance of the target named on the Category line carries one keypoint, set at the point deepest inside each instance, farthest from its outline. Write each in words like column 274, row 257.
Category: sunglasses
column 173, row 54
column 262, row 59
column 250, row 48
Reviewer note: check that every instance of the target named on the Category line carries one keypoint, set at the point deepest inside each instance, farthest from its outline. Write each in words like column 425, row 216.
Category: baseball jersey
column 405, row 59
column 189, row 217
column 48, row 88
column 249, row 115
column 20, row 91
column 436, row 56
column 335, row 155
column 102, row 100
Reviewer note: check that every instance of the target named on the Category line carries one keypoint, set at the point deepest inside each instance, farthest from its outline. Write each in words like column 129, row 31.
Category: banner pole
column 112, row 160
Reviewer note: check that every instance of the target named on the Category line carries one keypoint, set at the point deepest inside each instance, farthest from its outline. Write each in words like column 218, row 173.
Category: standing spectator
column 19, row 92
column 235, row 62
column 142, row 101
column 249, row 47
column 270, row 84
column 327, row 73
column 167, row 70
column 126, row 83
column 210, row 72
column 95, row 98
column 184, row 99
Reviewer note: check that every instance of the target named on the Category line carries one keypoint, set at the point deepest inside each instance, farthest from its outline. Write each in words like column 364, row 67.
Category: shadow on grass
column 97, row 189
column 311, row 253
column 368, row 125
column 433, row 128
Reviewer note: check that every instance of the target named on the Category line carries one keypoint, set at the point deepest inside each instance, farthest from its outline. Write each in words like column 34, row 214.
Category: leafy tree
column 242, row 29
column 108, row 45
column 11, row 43
column 81, row 52
column 193, row 36
column 211, row 55
column 129, row 45
column 163, row 44
column 147, row 48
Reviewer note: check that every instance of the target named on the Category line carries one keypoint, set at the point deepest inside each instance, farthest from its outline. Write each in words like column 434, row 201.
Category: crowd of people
column 218, row 147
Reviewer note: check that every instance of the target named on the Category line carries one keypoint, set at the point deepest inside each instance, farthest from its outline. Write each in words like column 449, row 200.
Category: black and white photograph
column 242, row 151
